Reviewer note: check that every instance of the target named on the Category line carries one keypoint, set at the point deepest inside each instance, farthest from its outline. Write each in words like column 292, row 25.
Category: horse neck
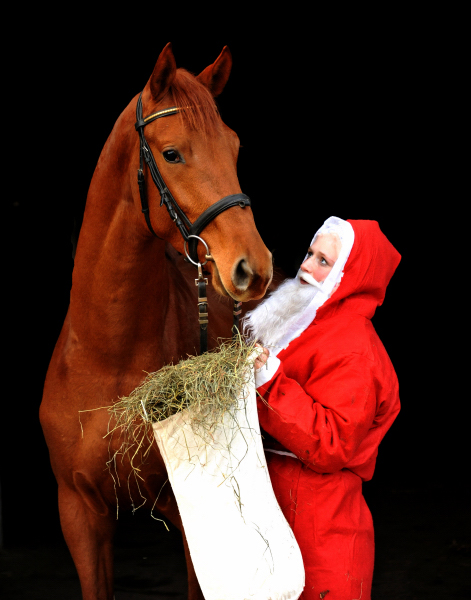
column 120, row 272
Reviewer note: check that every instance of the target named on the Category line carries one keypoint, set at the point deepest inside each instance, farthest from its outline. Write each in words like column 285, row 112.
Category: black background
column 361, row 123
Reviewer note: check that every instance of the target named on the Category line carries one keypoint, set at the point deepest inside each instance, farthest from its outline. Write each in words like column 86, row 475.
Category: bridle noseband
column 189, row 231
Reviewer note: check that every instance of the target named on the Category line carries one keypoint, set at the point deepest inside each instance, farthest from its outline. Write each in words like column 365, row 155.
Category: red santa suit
column 330, row 396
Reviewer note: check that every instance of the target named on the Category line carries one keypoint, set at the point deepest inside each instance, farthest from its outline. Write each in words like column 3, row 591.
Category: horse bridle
column 189, row 231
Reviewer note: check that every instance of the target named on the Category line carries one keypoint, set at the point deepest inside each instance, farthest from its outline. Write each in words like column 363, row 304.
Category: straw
column 205, row 386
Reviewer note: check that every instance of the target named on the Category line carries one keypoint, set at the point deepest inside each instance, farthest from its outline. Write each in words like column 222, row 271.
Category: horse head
column 196, row 155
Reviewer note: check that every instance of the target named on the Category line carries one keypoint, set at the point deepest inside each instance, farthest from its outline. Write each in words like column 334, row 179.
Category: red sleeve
column 324, row 421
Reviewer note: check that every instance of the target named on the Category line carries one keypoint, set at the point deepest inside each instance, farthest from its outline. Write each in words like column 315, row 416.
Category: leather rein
column 189, row 231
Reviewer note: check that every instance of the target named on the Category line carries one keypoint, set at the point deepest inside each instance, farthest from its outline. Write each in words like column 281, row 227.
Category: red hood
column 369, row 268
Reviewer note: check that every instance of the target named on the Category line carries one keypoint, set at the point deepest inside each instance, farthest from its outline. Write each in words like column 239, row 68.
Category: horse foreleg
column 194, row 590
column 88, row 532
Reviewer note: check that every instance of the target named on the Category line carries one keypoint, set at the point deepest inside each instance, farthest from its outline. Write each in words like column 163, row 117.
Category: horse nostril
column 242, row 275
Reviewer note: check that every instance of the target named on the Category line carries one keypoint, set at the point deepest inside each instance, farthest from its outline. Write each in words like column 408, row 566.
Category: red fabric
column 331, row 401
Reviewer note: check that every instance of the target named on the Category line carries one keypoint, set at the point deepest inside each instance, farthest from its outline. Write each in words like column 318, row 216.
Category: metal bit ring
column 186, row 250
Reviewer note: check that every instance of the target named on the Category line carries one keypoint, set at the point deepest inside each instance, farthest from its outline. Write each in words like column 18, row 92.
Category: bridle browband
column 189, row 231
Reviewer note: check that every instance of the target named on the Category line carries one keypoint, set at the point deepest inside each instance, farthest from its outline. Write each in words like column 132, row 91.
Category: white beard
column 275, row 316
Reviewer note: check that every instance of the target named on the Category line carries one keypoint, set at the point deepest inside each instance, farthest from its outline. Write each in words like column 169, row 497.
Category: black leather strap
column 216, row 209
column 145, row 155
column 211, row 213
column 236, row 315
column 203, row 313
column 144, row 204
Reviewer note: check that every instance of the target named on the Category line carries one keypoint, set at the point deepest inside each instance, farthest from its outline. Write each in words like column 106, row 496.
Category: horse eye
column 171, row 156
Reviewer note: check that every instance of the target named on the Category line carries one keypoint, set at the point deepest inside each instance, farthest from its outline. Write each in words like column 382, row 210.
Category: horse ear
column 163, row 74
column 216, row 75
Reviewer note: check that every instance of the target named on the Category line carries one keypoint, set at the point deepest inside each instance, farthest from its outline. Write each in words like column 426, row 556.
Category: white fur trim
column 282, row 452
column 265, row 373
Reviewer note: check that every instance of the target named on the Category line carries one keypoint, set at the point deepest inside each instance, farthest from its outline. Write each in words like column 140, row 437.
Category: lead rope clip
column 200, row 275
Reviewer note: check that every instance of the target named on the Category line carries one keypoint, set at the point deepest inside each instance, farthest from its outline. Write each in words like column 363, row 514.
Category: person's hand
column 262, row 358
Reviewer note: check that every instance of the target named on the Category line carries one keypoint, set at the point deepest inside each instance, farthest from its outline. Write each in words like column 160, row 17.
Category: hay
column 206, row 386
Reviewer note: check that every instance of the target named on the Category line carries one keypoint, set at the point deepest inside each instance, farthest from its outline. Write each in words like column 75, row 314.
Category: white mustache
column 310, row 279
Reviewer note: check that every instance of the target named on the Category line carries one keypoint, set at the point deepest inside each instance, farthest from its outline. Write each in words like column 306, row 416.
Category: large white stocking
column 240, row 543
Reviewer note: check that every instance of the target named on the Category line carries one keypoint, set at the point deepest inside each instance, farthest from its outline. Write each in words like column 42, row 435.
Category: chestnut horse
column 133, row 303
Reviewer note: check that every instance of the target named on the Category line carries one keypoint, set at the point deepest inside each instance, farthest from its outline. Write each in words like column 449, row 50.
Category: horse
column 133, row 302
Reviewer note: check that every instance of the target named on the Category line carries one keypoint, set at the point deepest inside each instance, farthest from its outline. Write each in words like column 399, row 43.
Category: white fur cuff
column 265, row 373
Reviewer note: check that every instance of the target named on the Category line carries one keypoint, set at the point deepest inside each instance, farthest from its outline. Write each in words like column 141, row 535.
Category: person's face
column 321, row 257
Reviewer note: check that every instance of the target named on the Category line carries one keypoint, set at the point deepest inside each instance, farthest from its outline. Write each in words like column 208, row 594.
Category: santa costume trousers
column 332, row 525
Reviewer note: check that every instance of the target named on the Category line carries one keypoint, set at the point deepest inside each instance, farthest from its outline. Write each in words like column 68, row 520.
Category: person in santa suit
column 328, row 394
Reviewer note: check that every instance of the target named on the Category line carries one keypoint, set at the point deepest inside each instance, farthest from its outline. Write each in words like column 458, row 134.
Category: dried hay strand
column 206, row 386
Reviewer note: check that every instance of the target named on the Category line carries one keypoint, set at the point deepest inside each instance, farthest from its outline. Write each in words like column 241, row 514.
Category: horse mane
column 200, row 111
